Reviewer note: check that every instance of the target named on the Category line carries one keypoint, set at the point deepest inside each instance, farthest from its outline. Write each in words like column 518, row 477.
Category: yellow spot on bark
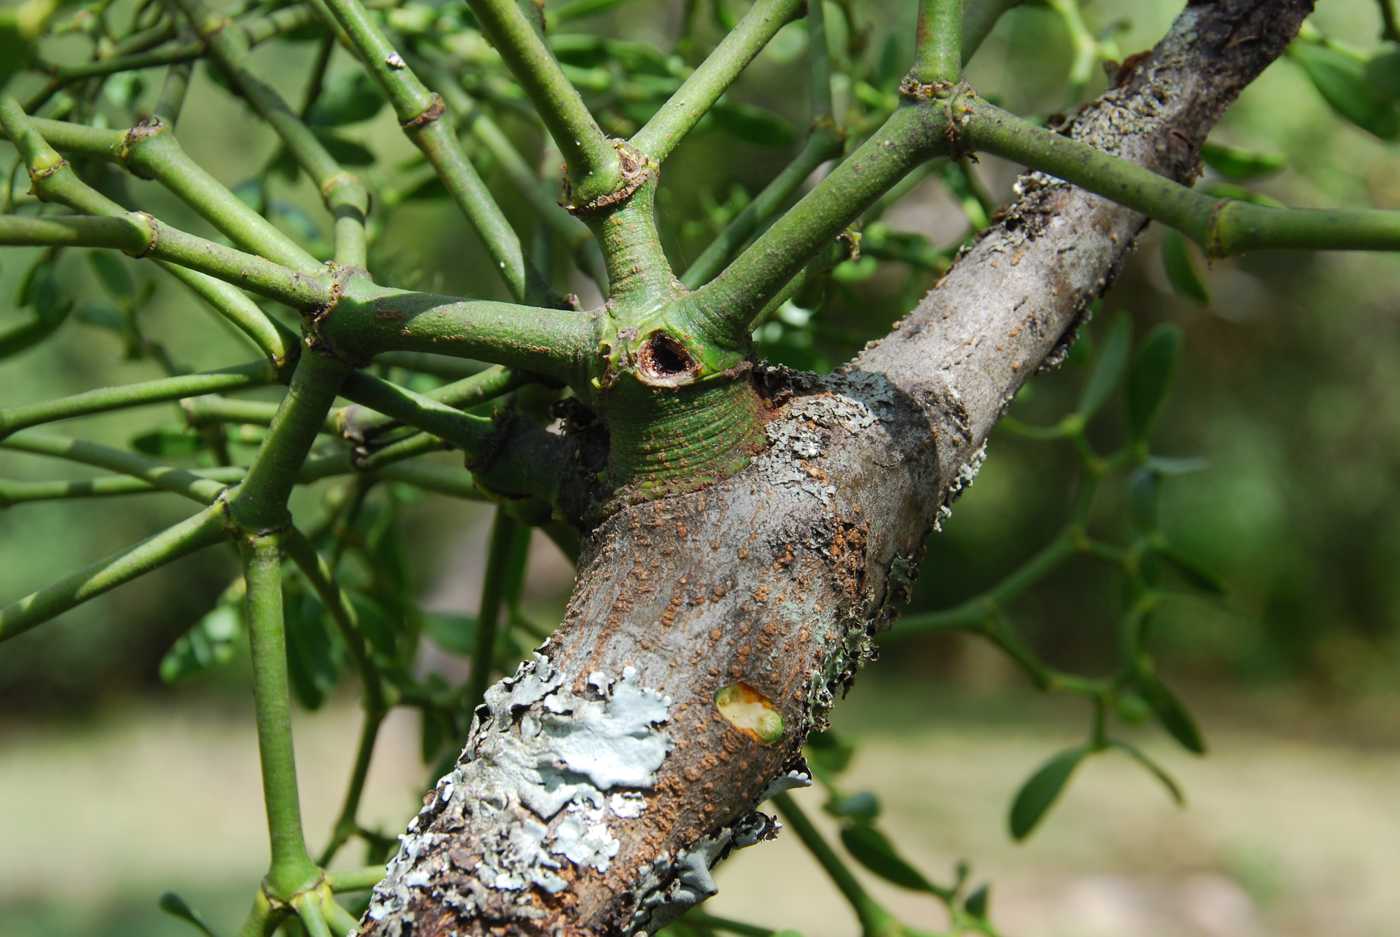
column 750, row 712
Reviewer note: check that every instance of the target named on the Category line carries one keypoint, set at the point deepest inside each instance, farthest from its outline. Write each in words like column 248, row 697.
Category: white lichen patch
column 533, row 790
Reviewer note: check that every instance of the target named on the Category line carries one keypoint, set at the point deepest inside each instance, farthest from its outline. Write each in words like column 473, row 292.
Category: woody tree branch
column 602, row 783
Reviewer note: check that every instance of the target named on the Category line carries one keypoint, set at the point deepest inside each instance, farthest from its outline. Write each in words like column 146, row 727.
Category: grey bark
column 602, row 782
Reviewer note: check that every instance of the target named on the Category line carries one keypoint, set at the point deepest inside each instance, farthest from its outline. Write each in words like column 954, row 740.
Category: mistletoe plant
column 743, row 531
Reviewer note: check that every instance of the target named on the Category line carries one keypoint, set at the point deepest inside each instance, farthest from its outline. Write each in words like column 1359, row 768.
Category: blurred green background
column 116, row 787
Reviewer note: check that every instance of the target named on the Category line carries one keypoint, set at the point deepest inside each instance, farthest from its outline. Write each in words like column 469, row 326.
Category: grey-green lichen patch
column 967, row 474
column 533, row 786
column 672, row 885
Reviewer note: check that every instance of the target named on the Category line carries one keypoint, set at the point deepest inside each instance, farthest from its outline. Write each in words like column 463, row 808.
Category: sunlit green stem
column 938, row 41
column 291, row 866
column 594, row 167
column 203, row 529
column 873, row 918
column 139, row 235
column 106, row 399
column 669, row 125
column 156, row 474
column 1220, row 226
column 725, row 306
column 260, row 502
column 343, row 193
column 425, row 119
column 361, row 879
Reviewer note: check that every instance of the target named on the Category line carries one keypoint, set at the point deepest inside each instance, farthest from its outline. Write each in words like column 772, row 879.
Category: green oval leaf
column 1157, row 771
column 1238, row 164
column 1109, row 367
column 1040, row 791
column 753, row 124
column 976, row 903
column 1169, row 711
column 870, row 848
column 453, row 633
column 1341, row 77
column 861, row 807
column 211, row 642
column 175, row 906
column 1181, row 270
column 349, row 96
column 1151, row 378
column 116, row 279
column 1190, row 570
column 828, row 754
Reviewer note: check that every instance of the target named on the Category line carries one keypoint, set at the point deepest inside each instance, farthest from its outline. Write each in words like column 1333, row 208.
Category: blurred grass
column 1289, row 828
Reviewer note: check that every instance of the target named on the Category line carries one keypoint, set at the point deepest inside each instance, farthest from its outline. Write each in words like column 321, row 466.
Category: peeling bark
column 708, row 633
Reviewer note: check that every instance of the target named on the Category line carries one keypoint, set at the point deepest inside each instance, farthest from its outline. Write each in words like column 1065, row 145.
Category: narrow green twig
column 1221, row 227
column 291, row 868
column 106, row 399
column 203, row 529
column 871, row 915
column 595, row 169
column 938, row 41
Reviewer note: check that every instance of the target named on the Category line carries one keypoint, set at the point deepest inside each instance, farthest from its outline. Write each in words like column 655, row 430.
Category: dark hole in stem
column 664, row 357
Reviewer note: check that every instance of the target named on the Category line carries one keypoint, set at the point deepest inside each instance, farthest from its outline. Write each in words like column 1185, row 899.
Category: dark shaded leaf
column 349, row 96
column 1109, row 367
column 168, row 443
column 1144, row 487
column 116, row 279
column 211, row 642
column 753, row 124
column 1040, row 791
column 311, row 661
column 1169, row 711
column 1151, row 378
column 346, row 152
column 453, row 633
column 1181, row 270
column 828, row 754
column 1190, row 570
column 976, row 903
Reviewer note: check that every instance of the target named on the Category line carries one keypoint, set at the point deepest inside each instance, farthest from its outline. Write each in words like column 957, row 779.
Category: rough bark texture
column 604, row 780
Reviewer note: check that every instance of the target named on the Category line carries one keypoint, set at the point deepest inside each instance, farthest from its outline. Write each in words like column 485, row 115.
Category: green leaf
column 861, row 807
column 347, row 152
column 175, row 906
column 1190, row 570
column 116, row 279
column 753, row 124
column 1109, row 367
column 976, row 903
column 1238, row 164
column 828, row 754
column 1181, row 269
column 1151, row 378
column 349, row 97
column 1344, row 80
column 453, row 633
column 1169, row 711
column 1154, row 769
column 1144, row 486
column 1038, row 794
column 311, row 660
column 374, row 625
column 168, row 443
column 211, row 642
column 434, row 731
column 873, row 850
